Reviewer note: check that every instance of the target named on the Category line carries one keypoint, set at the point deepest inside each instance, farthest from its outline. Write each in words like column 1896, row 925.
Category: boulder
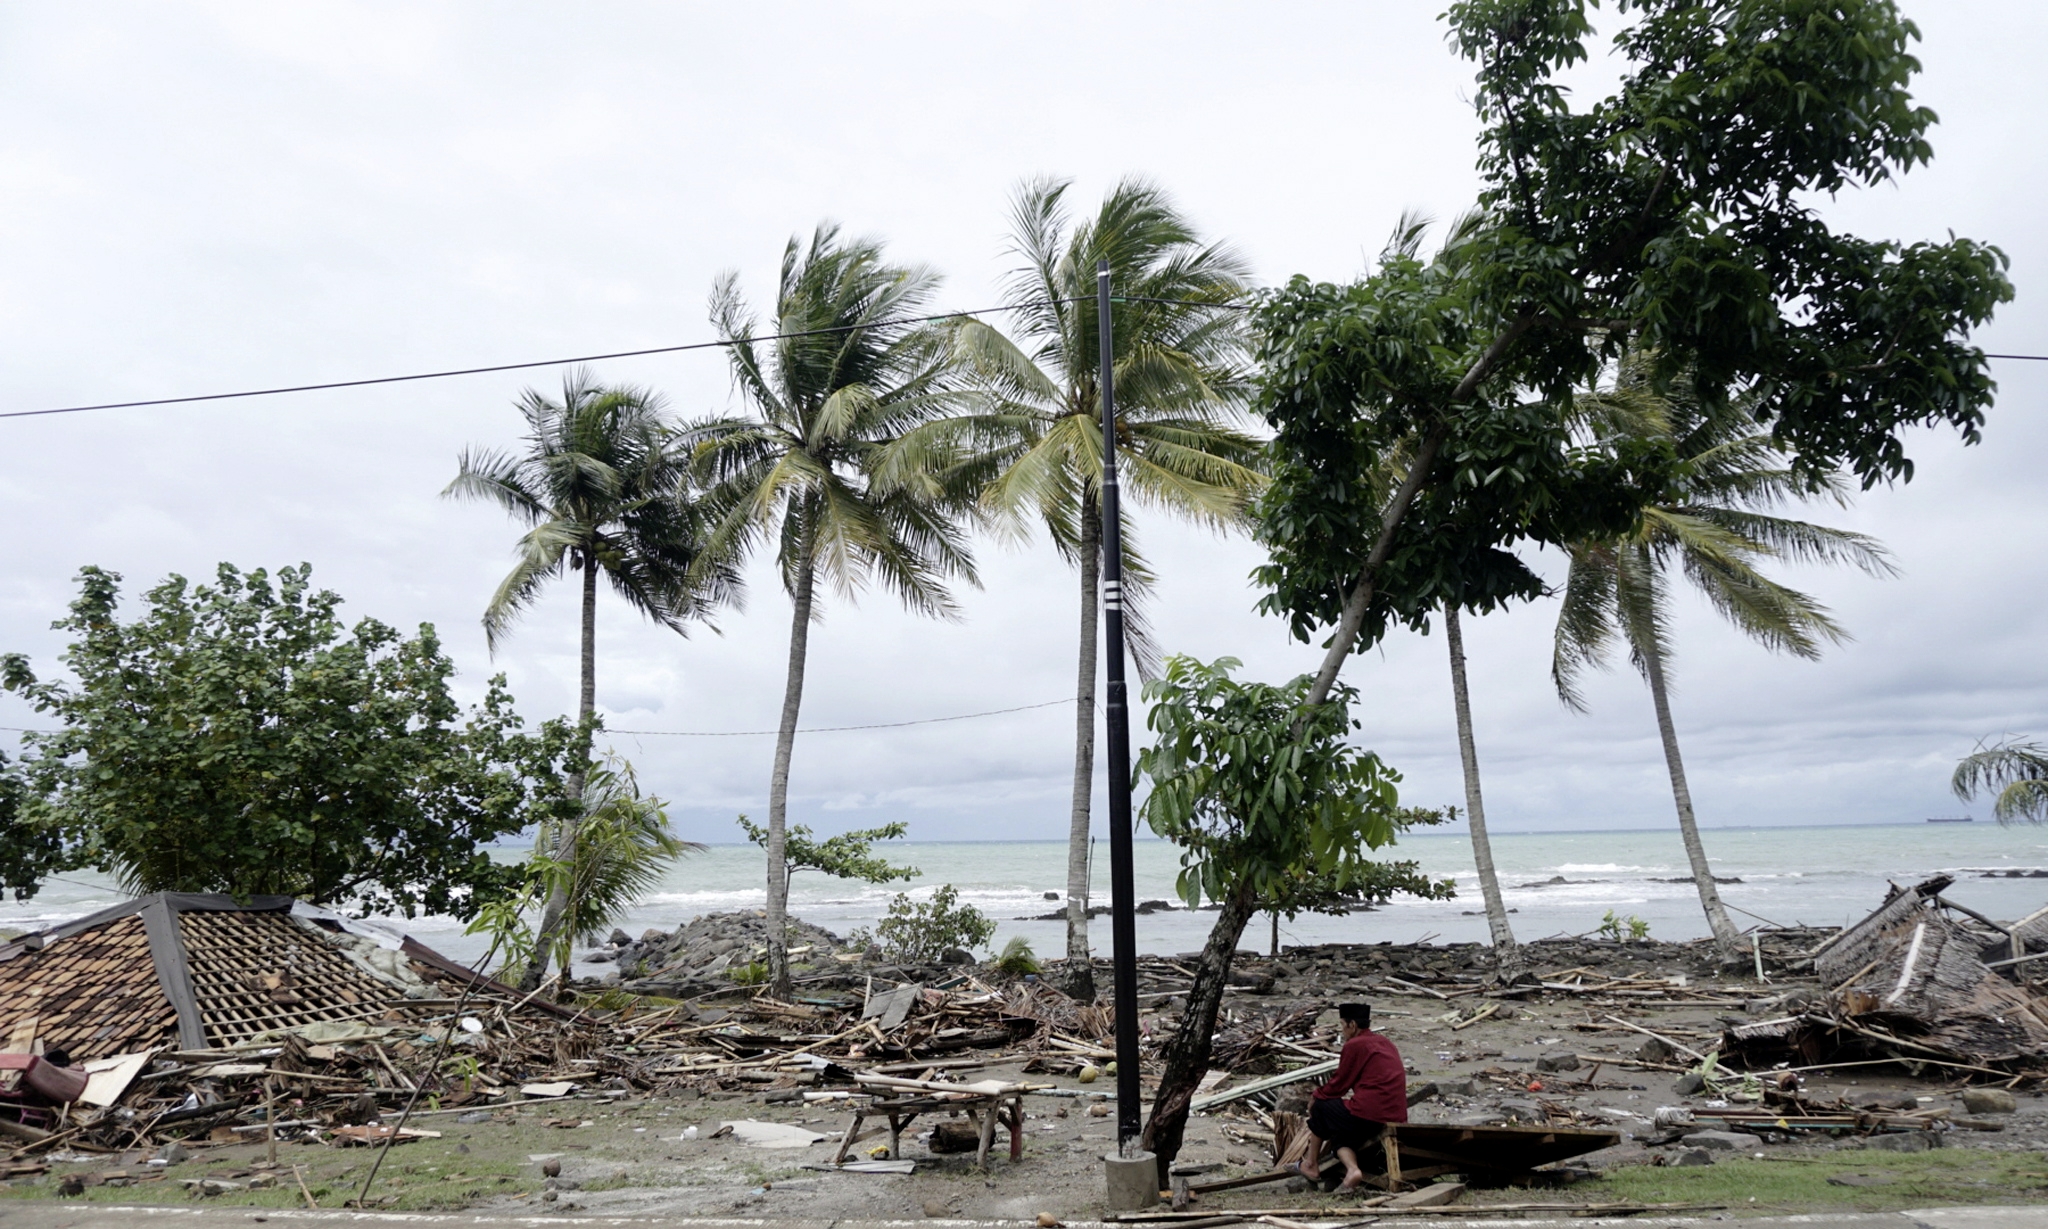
column 1688, row 1084
column 1557, row 1060
column 1692, row 1156
column 1989, row 1101
column 1720, row 1141
column 1905, row 1141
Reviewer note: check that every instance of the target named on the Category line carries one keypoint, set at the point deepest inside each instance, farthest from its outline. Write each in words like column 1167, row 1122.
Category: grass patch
column 427, row 1185
column 1800, row 1183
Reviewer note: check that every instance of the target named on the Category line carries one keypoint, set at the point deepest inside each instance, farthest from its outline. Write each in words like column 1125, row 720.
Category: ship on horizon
column 1954, row 819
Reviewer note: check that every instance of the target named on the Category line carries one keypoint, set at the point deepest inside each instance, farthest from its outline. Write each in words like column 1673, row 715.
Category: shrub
column 914, row 933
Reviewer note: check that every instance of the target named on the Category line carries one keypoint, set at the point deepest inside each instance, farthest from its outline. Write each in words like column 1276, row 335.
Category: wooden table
column 984, row 1109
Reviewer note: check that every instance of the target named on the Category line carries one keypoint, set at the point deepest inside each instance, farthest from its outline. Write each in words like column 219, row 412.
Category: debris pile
column 192, row 1020
column 1921, row 980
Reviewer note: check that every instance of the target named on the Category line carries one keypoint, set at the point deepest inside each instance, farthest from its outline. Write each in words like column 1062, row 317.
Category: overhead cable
column 822, row 729
column 651, row 350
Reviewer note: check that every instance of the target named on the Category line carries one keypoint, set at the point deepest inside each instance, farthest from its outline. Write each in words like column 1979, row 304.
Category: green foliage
column 1357, row 381
column 1251, row 803
column 1375, row 885
column 1711, row 521
column 850, row 855
column 1683, row 210
column 239, row 738
column 2017, row 769
column 914, row 932
column 623, row 846
column 1181, row 378
column 1677, row 217
column 1630, row 929
column 603, row 485
column 1017, row 958
column 29, row 853
column 821, row 467
column 754, row 973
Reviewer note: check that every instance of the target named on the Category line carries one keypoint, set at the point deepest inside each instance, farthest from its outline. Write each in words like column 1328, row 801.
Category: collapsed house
column 1922, row 979
column 190, row 971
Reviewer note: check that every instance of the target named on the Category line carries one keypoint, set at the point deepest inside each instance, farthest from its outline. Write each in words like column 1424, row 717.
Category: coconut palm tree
column 1713, row 524
column 1507, row 957
column 602, row 487
column 821, row 467
column 1180, row 384
column 2017, row 769
column 623, row 844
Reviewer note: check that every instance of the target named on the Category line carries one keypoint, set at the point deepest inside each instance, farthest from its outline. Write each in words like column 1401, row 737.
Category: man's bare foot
column 1299, row 1168
column 1352, row 1181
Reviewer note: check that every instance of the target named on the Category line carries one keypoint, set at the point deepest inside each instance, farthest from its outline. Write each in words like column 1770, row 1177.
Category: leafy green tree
column 822, row 469
column 2017, row 769
column 29, row 854
column 1679, row 216
column 850, row 855
column 240, row 738
column 602, row 486
column 1266, row 798
column 623, row 847
column 1380, row 882
column 1180, row 387
column 1713, row 524
column 1516, row 474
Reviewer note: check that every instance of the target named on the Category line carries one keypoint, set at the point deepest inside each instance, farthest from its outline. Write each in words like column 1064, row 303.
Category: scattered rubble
column 290, row 1028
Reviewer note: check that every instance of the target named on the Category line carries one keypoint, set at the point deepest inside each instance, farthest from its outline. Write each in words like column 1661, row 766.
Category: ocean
column 1789, row 876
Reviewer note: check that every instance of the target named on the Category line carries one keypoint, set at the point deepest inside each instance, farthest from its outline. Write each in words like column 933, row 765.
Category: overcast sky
column 203, row 197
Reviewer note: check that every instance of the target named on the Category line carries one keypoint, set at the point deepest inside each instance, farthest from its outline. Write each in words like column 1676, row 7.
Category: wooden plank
column 1432, row 1196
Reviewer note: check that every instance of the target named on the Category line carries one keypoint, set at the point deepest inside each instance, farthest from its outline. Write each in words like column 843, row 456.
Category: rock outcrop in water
column 706, row 949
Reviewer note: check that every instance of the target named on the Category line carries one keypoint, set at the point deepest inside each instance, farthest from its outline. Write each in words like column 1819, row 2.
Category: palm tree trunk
column 1726, row 940
column 1186, row 1059
column 1507, row 957
column 1080, row 966
column 778, row 782
column 564, row 852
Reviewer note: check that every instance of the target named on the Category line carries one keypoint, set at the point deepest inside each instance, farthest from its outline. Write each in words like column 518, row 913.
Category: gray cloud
column 234, row 195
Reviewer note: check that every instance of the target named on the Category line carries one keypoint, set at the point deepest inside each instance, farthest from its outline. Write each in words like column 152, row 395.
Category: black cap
column 1357, row 1013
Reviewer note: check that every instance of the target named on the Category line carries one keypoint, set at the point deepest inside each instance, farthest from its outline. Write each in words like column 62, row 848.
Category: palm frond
column 622, row 848
column 1585, row 624
column 2017, row 768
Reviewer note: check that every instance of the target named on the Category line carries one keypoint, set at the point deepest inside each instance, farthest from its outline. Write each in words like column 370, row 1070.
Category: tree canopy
column 849, row 855
column 238, row 738
column 1679, row 215
column 1253, row 808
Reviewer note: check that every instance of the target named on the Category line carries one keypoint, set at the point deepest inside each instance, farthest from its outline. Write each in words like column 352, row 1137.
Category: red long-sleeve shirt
column 1371, row 1081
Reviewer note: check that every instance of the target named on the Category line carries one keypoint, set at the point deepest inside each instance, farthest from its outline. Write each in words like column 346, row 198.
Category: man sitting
column 1368, row 1091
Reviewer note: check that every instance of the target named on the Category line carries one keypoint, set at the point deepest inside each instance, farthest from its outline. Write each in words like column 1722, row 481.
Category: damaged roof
column 198, row 971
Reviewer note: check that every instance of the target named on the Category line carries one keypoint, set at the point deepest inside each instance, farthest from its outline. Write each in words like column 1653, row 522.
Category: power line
column 822, row 729
column 529, row 365
column 838, row 729
column 523, row 366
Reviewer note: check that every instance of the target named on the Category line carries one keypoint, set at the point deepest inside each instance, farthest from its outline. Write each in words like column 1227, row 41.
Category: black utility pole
column 1123, row 924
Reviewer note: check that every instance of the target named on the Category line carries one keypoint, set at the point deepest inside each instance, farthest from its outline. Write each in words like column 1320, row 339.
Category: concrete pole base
column 1133, row 1181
